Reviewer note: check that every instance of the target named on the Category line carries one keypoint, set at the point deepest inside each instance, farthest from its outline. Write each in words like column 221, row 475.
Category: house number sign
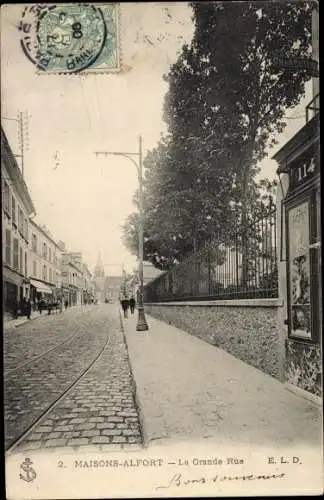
column 303, row 173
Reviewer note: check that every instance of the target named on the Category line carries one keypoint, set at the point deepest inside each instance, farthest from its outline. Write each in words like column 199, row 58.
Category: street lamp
column 141, row 322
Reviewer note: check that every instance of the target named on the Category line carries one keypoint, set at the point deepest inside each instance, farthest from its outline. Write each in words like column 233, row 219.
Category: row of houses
column 35, row 265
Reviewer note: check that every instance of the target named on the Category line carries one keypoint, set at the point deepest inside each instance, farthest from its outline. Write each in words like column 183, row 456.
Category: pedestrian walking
column 66, row 304
column 28, row 308
column 15, row 308
column 132, row 304
column 124, row 300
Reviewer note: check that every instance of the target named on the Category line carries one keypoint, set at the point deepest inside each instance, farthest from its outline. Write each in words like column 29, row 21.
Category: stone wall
column 252, row 334
column 304, row 366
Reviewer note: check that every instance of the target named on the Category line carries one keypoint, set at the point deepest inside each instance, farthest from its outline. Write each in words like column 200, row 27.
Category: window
column 26, row 268
column 20, row 221
column 13, row 211
column 50, row 254
column 34, row 243
column 15, row 253
column 50, row 275
column 26, row 229
column 21, row 263
column 6, row 198
column 8, row 247
column 44, row 273
column 34, row 268
column 45, row 251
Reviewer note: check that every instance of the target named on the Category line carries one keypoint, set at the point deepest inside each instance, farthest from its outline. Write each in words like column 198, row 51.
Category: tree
column 240, row 44
column 226, row 100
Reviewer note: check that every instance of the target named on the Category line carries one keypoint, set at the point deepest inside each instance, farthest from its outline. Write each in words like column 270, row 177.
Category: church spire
column 99, row 271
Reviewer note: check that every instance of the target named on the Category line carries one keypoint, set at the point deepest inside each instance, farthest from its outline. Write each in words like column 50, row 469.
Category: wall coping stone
column 305, row 394
column 227, row 303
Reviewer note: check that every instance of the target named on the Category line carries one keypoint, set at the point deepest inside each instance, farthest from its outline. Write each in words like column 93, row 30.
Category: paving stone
column 96, row 419
column 100, row 439
column 111, row 432
column 93, row 403
column 43, row 428
column 55, row 442
column 119, row 439
column 122, row 426
column 77, row 420
column 107, row 413
column 115, row 419
column 127, row 414
column 34, row 437
column 71, row 434
column 85, row 427
column 78, row 441
column 54, row 435
column 130, row 432
column 91, row 433
column 63, row 428
column 106, row 425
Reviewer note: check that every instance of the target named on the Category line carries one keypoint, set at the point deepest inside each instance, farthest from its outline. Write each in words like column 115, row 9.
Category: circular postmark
column 63, row 38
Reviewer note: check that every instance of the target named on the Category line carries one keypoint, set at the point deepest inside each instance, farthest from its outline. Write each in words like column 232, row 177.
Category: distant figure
column 40, row 306
column 15, row 308
column 124, row 302
column 28, row 308
column 132, row 304
column 23, row 307
column 66, row 303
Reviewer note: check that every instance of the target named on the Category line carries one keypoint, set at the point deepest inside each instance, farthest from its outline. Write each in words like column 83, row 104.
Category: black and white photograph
column 161, row 249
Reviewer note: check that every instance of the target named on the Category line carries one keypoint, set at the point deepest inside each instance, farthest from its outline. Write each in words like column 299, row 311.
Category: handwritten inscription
column 178, row 480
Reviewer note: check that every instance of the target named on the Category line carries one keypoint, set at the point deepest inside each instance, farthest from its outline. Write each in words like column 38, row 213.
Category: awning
column 41, row 287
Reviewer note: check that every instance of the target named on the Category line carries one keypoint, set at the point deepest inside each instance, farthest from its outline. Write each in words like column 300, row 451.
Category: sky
column 83, row 199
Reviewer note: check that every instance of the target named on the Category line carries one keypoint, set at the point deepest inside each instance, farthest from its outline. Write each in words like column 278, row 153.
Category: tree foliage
column 226, row 101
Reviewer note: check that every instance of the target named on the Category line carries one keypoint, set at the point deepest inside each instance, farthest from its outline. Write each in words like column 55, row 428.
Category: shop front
column 40, row 291
column 299, row 161
column 13, row 290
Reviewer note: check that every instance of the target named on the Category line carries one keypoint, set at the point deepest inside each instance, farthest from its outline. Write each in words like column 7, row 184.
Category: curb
column 141, row 417
column 7, row 325
column 312, row 398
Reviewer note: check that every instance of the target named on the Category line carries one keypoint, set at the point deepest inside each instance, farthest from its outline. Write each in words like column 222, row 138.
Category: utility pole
column 141, row 323
column 20, row 121
column 21, row 127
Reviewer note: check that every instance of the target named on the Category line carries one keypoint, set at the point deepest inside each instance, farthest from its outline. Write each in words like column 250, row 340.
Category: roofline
column 14, row 171
column 44, row 233
column 308, row 133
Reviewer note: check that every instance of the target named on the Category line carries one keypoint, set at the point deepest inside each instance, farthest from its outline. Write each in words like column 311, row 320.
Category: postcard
column 161, row 250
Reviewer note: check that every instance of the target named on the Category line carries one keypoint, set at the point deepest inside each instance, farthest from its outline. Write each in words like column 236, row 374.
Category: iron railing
column 241, row 264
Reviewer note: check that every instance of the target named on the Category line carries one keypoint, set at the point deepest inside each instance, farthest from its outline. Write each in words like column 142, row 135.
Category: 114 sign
column 303, row 172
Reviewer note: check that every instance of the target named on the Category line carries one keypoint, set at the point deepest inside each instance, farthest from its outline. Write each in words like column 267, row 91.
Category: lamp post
column 141, row 322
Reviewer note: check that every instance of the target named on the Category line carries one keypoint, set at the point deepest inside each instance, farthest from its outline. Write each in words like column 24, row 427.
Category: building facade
column 17, row 208
column 299, row 208
column 45, row 258
column 76, row 279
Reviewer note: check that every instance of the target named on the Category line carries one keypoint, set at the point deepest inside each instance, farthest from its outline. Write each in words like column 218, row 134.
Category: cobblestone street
column 99, row 409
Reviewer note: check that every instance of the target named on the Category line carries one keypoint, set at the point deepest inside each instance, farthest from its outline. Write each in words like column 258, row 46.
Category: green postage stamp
column 71, row 38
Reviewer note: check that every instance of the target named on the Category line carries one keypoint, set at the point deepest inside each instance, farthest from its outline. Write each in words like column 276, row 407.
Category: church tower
column 99, row 271
column 99, row 278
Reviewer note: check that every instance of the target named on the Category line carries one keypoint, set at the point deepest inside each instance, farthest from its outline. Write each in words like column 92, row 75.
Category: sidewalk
column 189, row 389
column 13, row 323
